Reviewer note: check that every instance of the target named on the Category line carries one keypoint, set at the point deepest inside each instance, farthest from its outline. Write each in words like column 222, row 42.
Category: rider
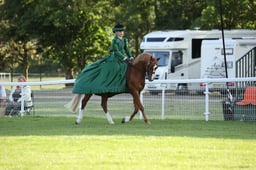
column 119, row 47
column 107, row 75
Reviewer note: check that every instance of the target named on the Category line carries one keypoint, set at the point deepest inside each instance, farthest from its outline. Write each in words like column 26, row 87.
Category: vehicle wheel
column 182, row 89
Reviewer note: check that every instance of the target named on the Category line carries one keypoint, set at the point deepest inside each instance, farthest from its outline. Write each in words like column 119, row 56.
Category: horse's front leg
column 141, row 108
column 104, row 105
column 137, row 106
column 82, row 104
column 129, row 118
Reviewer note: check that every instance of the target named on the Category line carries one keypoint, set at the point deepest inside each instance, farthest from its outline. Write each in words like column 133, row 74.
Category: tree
column 177, row 14
column 17, row 45
column 236, row 14
column 71, row 33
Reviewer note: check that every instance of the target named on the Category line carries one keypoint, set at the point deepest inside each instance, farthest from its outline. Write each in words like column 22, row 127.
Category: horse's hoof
column 148, row 122
column 111, row 123
column 77, row 123
column 126, row 119
column 123, row 120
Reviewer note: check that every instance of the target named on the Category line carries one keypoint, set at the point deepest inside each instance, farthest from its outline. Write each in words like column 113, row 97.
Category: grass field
column 57, row 143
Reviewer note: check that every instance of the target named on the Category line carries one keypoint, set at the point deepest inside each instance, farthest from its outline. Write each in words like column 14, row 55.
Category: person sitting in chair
column 14, row 101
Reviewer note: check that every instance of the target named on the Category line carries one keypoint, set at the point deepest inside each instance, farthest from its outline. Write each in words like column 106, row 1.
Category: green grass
column 57, row 143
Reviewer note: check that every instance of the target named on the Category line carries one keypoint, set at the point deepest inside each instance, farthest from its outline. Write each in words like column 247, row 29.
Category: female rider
column 107, row 75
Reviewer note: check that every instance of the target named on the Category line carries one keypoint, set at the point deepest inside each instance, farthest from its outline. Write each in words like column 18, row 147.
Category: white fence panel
column 164, row 105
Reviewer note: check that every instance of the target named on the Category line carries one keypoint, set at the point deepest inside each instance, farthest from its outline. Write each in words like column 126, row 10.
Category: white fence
column 165, row 105
column 5, row 75
column 205, row 89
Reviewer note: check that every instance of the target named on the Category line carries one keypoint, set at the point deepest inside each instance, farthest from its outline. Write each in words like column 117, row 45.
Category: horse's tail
column 74, row 103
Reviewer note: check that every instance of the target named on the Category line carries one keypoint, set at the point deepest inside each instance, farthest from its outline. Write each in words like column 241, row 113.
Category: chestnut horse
column 143, row 66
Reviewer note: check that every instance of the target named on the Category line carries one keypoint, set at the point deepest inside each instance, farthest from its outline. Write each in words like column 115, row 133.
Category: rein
column 147, row 66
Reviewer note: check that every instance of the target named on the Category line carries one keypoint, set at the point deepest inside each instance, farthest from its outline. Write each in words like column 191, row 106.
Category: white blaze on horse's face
column 151, row 68
column 153, row 72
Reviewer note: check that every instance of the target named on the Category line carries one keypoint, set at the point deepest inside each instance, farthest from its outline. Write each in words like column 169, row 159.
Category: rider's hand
column 126, row 59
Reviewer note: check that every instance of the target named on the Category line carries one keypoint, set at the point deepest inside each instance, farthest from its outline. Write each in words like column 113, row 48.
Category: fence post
column 141, row 100
column 163, row 101
column 206, row 113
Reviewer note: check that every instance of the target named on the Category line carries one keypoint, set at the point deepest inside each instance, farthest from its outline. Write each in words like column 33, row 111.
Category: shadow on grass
column 56, row 126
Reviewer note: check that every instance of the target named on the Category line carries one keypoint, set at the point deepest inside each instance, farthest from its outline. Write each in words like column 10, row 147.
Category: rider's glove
column 126, row 59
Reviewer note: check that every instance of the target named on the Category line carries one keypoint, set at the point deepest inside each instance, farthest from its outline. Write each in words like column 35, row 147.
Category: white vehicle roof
column 166, row 39
column 245, row 41
column 236, row 33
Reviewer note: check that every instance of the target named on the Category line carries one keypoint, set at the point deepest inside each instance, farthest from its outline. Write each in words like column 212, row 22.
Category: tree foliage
column 72, row 32
column 238, row 14
column 177, row 14
column 139, row 18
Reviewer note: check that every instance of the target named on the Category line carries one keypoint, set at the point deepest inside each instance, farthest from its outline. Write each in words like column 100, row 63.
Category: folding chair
column 245, row 110
column 249, row 96
column 30, row 109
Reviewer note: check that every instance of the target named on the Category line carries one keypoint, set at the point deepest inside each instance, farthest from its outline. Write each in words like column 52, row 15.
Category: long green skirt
column 106, row 75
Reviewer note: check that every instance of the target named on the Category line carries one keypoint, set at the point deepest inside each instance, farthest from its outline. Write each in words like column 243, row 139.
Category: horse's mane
column 142, row 57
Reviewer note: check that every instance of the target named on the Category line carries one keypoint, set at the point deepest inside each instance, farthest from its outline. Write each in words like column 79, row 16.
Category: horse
column 143, row 66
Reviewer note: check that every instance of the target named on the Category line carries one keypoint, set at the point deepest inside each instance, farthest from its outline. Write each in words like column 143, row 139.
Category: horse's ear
column 158, row 59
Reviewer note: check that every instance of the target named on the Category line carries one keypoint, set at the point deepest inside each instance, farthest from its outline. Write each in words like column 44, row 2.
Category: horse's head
column 151, row 67
column 149, row 63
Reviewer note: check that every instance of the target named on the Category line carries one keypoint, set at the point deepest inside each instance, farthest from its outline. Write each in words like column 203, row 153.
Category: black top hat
column 118, row 27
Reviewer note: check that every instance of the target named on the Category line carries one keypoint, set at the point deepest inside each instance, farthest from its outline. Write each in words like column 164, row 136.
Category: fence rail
column 4, row 75
column 168, row 104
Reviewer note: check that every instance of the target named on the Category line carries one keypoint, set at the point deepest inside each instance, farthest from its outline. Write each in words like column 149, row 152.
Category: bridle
column 147, row 68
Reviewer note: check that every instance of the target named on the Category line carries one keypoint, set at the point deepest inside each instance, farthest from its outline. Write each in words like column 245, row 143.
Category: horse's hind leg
column 82, row 105
column 104, row 101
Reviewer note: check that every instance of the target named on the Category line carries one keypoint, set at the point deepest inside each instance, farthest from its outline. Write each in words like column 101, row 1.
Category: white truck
column 240, row 60
column 180, row 54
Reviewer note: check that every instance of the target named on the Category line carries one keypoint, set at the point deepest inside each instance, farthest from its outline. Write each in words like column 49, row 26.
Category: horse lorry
column 180, row 53
column 240, row 61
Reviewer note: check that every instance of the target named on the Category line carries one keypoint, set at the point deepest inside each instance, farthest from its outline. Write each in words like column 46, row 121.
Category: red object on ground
column 249, row 96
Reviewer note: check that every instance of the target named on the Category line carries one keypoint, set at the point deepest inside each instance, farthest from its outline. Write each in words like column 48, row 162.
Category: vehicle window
column 175, row 39
column 156, row 39
column 177, row 59
column 164, row 57
column 196, row 48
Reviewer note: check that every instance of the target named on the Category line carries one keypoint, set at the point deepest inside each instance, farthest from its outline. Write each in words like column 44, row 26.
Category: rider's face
column 120, row 33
